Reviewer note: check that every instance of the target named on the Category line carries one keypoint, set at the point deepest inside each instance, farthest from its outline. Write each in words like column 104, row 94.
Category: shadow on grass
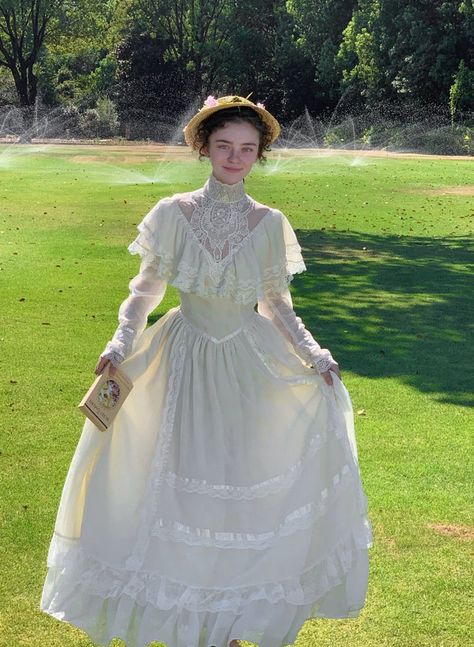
column 392, row 306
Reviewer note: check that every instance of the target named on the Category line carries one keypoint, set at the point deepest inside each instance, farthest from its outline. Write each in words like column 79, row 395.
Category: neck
column 221, row 192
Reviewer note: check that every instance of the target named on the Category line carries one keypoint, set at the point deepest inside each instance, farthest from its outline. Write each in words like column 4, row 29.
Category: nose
column 233, row 154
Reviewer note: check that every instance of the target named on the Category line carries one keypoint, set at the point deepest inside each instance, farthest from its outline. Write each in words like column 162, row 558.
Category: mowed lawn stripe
column 388, row 246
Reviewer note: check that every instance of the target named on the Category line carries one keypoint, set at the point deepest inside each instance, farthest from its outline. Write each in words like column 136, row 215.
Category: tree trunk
column 28, row 114
column 26, row 85
column 32, row 85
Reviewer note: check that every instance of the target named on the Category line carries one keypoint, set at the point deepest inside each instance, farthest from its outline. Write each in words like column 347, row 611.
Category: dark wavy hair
column 237, row 114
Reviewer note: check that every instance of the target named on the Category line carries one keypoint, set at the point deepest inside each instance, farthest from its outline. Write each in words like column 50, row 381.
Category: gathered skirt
column 224, row 502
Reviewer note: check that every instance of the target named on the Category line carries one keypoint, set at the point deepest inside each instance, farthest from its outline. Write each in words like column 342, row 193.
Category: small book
column 103, row 400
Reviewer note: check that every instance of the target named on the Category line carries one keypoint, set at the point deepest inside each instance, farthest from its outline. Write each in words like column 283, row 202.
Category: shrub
column 108, row 117
column 101, row 121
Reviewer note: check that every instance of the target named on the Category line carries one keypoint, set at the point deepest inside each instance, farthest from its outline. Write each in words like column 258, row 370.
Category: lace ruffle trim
column 160, row 460
column 80, row 570
column 300, row 519
column 208, row 279
column 241, row 492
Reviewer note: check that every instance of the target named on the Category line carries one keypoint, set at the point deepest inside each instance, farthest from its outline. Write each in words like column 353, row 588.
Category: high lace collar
column 221, row 192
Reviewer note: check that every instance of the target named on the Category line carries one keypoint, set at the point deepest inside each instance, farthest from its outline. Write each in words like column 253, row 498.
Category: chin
column 231, row 178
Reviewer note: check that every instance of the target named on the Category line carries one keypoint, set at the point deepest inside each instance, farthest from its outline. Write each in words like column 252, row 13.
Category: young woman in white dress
column 225, row 501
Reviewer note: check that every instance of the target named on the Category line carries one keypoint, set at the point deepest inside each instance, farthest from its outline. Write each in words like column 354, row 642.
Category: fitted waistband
column 206, row 334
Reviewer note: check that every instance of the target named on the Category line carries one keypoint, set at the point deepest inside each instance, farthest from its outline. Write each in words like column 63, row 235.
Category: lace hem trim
column 241, row 492
column 78, row 569
column 300, row 519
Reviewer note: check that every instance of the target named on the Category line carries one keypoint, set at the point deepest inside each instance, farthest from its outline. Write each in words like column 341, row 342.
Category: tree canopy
column 153, row 58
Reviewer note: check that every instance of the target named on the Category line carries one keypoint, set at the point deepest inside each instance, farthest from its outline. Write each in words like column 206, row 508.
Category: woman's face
column 233, row 150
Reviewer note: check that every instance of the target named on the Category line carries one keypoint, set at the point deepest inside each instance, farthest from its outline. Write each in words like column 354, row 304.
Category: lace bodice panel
column 221, row 220
column 192, row 241
column 218, row 242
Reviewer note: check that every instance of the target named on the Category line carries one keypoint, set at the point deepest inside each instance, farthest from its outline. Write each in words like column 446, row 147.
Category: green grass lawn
column 388, row 289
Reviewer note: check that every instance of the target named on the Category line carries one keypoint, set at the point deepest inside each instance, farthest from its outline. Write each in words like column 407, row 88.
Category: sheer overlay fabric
column 225, row 501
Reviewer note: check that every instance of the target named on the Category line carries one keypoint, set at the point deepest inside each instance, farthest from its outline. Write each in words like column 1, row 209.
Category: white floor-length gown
column 225, row 501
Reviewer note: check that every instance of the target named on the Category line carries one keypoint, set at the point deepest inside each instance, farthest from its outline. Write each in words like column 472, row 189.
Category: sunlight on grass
column 388, row 289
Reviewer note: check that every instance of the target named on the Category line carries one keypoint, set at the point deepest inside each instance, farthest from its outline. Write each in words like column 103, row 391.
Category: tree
column 320, row 25
column 23, row 25
column 152, row 89
column 261, row 56
column 422, row 42
column 77, row 64
column 195, row 31
column 358, row 55
column 461, row 93
column 406, row 51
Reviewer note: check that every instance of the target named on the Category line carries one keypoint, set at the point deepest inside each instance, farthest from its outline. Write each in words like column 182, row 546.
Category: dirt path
column 133, row 149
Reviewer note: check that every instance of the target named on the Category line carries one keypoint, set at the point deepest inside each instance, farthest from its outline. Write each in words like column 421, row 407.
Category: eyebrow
column 226, row 141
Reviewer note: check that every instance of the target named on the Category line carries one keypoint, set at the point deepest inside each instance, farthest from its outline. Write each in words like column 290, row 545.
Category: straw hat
column 211, row 105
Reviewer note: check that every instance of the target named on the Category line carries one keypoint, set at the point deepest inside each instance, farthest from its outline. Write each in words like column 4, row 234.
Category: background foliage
column 155, row 60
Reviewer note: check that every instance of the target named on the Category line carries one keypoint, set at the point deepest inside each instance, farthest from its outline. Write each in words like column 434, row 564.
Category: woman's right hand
column 102, row 364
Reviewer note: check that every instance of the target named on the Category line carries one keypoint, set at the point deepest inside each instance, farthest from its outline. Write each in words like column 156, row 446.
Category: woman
column 225, row 501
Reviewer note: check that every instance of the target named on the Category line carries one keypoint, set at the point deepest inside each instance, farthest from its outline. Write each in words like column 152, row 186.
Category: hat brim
column 192, row 126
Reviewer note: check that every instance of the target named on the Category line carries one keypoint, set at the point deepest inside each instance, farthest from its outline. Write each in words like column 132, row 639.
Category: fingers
column 327, row 377
column 335, row 369
column 101, row 364
column 327, row 374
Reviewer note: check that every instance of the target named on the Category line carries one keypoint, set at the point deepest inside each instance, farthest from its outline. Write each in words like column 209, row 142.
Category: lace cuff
column 279, row 309
column 115, row 357
column 324, row 361
column 120, row 346
column 146, row 291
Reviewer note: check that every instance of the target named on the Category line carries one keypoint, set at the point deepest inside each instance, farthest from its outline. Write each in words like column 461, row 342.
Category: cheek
column 218, row 154
column 215, row 156
column 251, row 159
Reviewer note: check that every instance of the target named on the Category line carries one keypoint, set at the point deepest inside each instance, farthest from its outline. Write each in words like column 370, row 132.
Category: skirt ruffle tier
column 224, row 502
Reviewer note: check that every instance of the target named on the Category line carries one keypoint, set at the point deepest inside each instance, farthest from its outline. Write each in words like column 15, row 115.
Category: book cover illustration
column 103, row 400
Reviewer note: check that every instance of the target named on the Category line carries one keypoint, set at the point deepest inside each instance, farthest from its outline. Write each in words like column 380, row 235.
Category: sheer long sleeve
column 279, row 309
column 146, row 291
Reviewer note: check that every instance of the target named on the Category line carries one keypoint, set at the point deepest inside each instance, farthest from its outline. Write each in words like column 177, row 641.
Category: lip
column 232, row 170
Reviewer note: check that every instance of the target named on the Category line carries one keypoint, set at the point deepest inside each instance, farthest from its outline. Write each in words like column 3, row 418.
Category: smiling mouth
column 228, row 168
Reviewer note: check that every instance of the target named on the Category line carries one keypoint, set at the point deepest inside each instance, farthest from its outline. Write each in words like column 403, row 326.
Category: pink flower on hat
column 260, row 105
column 211, row 101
